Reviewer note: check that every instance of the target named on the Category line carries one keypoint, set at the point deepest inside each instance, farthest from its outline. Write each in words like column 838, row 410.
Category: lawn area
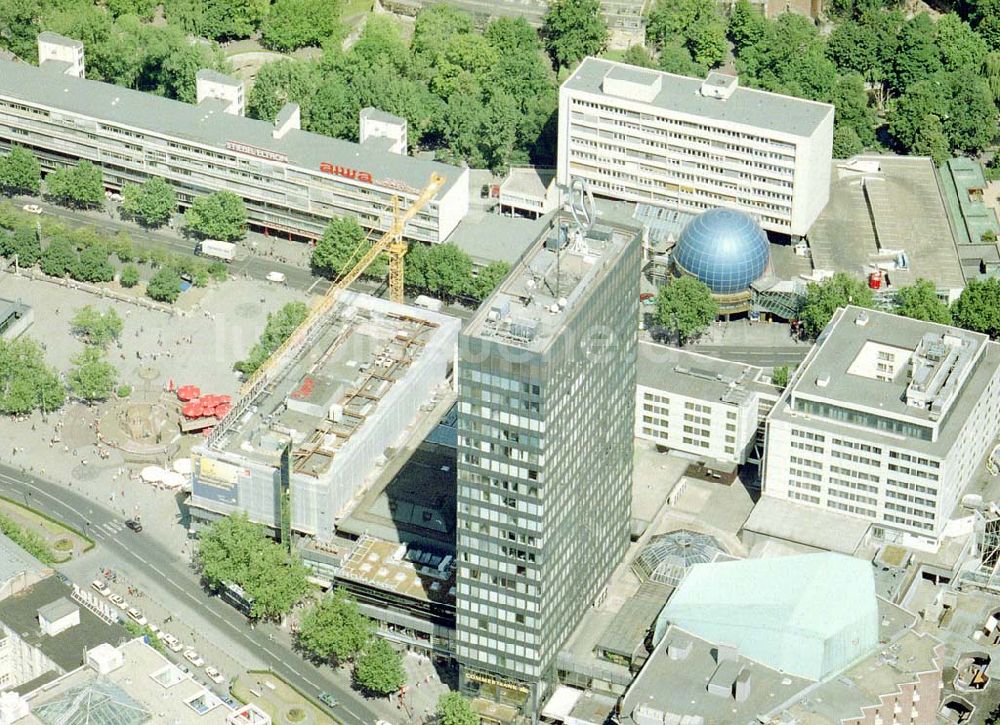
column 62, row 543
column 279, row 700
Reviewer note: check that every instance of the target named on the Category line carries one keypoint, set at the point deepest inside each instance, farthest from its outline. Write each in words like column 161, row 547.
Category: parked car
column 134, row 525
column 32, row 208
column 155, row 631
column 214, row 675
column 327, row 699
column 194, row 658
column 276, row 277
column 119, row 601
column 100, row 587
column 173, row 644
column 136, row 616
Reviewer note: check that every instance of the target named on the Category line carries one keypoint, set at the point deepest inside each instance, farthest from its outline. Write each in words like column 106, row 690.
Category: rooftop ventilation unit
column 822, row 381
column 862, row 319
column 524, row 328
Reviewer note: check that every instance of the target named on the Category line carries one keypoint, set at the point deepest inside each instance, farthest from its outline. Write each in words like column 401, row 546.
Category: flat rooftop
column 550, row 283
column 699, row 376
column 402, row 569
column 769, row 690
column 963, row 182
column 20, row 614
column 14, row 560
column 784, row 520
column 147, row 688
column 489, row 237
column 206, row 125
column 881, row 206
column 952, row 369
column 681, row 94
column 529, row 181
column 364, row 348
column 894, row 664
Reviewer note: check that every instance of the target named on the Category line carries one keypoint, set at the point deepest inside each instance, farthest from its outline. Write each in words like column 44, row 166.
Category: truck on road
column 225, row 251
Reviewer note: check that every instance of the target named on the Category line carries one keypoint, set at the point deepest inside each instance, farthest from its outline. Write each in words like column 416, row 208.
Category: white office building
column 689, row 144
column 887, row 420
column 292, row 181
column 701, row 406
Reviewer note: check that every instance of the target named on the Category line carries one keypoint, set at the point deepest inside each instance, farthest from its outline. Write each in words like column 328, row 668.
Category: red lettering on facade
column 345, row 171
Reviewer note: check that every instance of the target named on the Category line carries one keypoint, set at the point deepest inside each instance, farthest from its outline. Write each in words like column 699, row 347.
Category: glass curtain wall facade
column 544, row 484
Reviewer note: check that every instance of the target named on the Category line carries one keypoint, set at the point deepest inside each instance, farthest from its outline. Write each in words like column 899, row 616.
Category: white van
column 278, row 277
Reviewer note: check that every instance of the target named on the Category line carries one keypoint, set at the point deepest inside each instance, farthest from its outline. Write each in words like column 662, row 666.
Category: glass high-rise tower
column 546, row 413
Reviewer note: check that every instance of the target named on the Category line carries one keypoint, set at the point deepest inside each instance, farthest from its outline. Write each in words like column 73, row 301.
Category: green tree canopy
column 93, row 265
column 790, row 57
column 746, row 25
column 151, row 203
column 453, row 709
column 220, row 215
column 59, row 258
column 96, row 327
column 23, row 242
column 219, row 19
column 78, row 186
column 20, row 172
column 779, row 376
column 342, row 246
column 921, row 302
column 92, row 377
column 823, row 299
column 448, row 270
column 283, row 82
column 488, row 279
column 164, row 286
column 26, row 382
column 279, row 326
column 129, row 276
column 379, row 668
column 574, row 29
column 685, row 307
column 697, row 24
column 293, row 24
column 234, row 550
column 978, row 307
column 335, row 629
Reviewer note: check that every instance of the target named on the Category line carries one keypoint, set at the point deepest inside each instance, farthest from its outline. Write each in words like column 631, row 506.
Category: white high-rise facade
column 888, row 420
column 690, row 144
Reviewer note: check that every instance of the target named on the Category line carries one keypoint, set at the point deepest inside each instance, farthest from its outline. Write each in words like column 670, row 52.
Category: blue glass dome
column 724, row 248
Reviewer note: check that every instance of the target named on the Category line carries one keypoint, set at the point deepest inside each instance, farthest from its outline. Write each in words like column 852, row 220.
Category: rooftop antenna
column 584, row 212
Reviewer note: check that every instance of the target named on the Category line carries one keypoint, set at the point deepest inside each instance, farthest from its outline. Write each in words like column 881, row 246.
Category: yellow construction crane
column 390, row 242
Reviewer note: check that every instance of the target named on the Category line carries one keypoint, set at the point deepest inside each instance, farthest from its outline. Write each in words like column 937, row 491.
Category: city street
column 203, row 621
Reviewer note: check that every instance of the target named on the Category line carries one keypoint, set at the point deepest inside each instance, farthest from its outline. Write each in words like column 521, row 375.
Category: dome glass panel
column 724, row 248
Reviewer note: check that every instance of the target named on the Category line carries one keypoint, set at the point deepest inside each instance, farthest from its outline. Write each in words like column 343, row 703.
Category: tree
column 93, row 265
column 675, row 58
column 971, row 120
column 978, row 307
column 95, row 327
column 20, row 172
column 220, row 215
column 164, row 286
column 790, row 58
column 342, row 245
column 143, row 9
column 23, row 243
column 573, row 29
column 151, row 203
column 379, row 668
column 94, row 377
column 279, row 326
column 59, row 258
column 846, row 142
column 26, row 382
column 448, row 271
column 959, row 45
column 453, row 709
column 79, row 186
column 909, row 116
column 282, row 82
column 823, row 299
column 698, row 25
column 293, row 24
column 746, row 25
column 685, row 306
column 779, row 377
column 487, row 279
column 219, row 19
column 638, row 55
column 931, row 140
column 234, row 550
column 918, row 56
column 921, row 302
column 335, row 629
column 129, row 276
column 850, row 99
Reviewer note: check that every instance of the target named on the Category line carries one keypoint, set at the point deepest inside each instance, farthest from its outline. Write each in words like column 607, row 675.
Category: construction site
column 316, row 421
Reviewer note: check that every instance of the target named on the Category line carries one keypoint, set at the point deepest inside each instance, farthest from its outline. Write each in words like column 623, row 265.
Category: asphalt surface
column 764, row 357
column 174, row 584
